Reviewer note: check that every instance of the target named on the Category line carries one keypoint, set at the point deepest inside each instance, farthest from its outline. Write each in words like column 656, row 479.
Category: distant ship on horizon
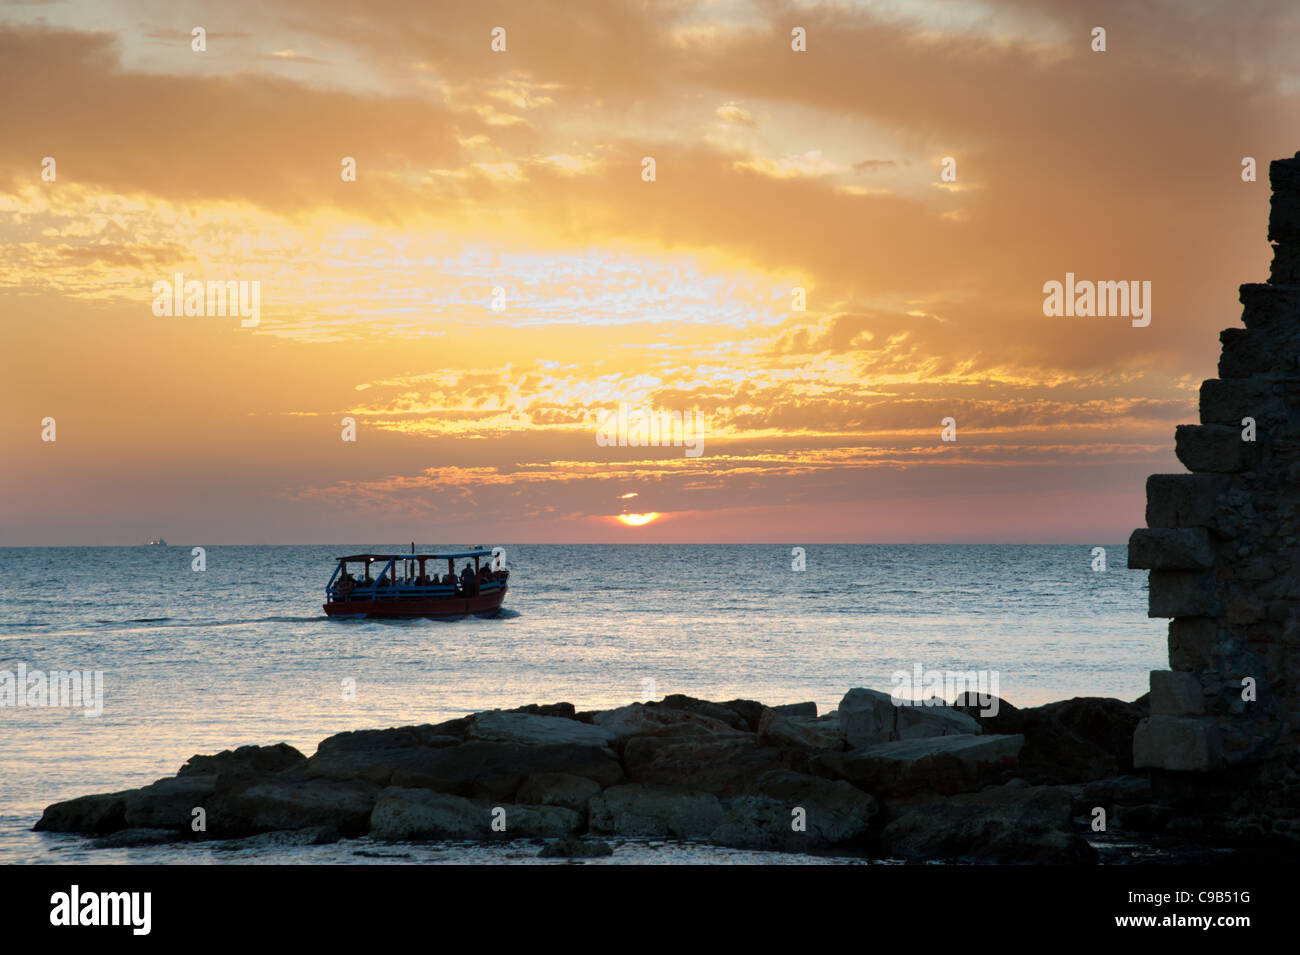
column 156, row 543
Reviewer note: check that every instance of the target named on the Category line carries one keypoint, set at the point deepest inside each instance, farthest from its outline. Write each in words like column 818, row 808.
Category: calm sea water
column 196, row 662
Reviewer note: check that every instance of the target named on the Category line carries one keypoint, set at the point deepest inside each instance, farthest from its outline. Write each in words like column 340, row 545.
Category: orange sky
column 522, row 171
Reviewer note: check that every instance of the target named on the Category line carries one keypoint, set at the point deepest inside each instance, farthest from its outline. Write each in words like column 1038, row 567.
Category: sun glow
column 637, row 520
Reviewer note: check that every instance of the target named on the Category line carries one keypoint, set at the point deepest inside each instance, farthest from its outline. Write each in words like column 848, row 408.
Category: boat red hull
column 485, row 605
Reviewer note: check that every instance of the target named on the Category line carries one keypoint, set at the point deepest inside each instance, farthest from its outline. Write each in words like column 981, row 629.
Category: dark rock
column 558, row 789
column 246, row 806
column 400, row 737
column 639, row 811
column 795, row 812
column 938, row 764
column 812, row 733
column 371, row 765
column 1002, row 718
column 739, row 714
column 532, row 730
column 375, row 755
column 562, row 710
column 716, row 764
column 168, row 803
column 649, row 719
column 402, row 814
column 90, row 815
column 246, row 759
column 496, row 770
column 1000, row 825
column 1112, row 792
column 868, row 717
column 797, row 709
column 1077, row 740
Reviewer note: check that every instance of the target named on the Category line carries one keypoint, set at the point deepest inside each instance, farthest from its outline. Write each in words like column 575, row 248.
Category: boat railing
column 408, row 589
column 329, row 588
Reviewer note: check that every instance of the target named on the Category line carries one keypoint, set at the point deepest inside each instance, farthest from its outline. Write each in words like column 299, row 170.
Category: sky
column 441, row 339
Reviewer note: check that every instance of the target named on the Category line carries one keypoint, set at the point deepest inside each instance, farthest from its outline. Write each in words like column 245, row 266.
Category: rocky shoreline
column 874, row 779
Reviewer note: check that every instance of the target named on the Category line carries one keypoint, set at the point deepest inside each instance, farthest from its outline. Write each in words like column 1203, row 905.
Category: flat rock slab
column 813, row 733
column 374, row 755
column 531, row 730
column 868, row 717
column 940, row 764
column 638, row 719
column 397, row 737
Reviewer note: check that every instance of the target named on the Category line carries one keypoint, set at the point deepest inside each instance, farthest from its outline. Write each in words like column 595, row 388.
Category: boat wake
column 502, row 614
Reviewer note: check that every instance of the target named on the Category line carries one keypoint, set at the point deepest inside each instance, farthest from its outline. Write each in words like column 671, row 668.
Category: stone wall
column 1223, row 541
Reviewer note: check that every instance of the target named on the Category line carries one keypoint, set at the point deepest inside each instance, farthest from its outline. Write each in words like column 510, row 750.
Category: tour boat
column 408, row 586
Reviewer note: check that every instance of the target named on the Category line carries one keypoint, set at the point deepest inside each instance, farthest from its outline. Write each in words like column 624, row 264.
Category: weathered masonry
column 1223, row 546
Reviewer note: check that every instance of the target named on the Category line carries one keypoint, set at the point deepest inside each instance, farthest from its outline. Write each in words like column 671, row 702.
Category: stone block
column 1227, row 400
column 1178, row 743
column 1176, row 693
column 1245, row 353
column 1285, row 269
column 1210, row 448
column 1182, row 593
column 1191, row 641
column 1171, row 548
column 1272, row 308
column 1284, row 210
column 1183, row 500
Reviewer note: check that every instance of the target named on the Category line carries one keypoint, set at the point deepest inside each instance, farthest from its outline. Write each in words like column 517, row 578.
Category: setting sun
column 637, row 520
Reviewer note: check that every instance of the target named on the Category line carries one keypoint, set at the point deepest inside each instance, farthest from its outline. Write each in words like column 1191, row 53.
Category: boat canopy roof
column 480, row 552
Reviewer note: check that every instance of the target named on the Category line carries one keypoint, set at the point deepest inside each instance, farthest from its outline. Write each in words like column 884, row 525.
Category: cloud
column 522, row 170
column 246, row 136
column 733, row 113
column 293, row 56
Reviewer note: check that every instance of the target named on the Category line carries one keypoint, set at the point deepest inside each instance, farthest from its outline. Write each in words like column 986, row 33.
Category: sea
column 240, row 651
